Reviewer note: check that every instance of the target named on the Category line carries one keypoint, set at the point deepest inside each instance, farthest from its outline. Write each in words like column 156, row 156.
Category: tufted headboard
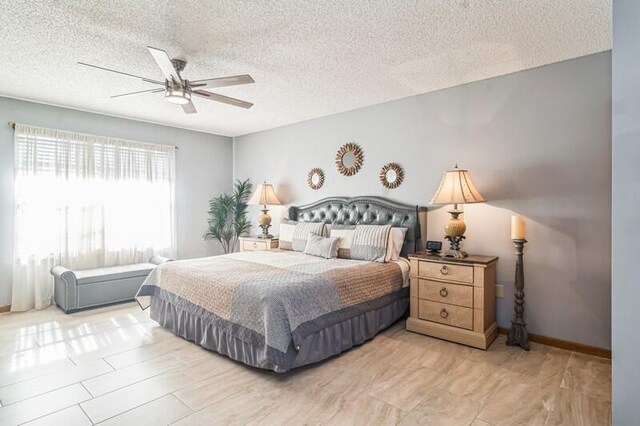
column 367, row 211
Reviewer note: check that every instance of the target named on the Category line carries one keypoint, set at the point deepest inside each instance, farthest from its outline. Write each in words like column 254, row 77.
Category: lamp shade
column 456, row 187
column 265, row 195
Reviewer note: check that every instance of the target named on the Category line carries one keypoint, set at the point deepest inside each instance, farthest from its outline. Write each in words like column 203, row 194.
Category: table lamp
column 265, row 195
column 456, row 188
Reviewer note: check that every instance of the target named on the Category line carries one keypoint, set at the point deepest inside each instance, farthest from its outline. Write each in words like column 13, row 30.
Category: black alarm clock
column 434, row 247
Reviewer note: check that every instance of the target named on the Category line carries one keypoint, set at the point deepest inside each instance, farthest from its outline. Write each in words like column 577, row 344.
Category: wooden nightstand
column 257, row 244
column 454, row 299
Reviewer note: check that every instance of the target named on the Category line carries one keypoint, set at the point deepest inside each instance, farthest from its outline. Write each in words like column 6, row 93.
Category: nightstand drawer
column 453, row 294
column 439, row 271
column 252, row 245
column 443, row 313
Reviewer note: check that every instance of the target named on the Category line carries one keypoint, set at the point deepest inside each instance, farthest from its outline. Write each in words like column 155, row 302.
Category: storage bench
column 91, row 288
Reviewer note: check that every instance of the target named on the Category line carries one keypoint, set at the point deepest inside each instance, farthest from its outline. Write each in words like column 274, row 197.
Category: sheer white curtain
column 86, row 201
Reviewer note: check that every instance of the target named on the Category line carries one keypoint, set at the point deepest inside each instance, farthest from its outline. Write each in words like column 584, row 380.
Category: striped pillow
column 370, row 242
column 302, row 232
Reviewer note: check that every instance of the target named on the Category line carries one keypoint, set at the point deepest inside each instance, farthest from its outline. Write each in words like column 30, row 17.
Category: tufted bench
column 90, row 288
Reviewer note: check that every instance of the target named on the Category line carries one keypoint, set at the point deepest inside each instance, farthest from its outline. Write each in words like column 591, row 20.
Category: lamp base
column 518, row 335
column 265, row 233
column 455, row 250
column 264, row 221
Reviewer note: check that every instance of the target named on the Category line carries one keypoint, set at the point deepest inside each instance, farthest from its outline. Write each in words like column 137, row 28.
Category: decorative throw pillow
column 287, row 229
column 396, row 241
column 345, row 235
column 326, row 247
column 370, row 242
column 302, row 232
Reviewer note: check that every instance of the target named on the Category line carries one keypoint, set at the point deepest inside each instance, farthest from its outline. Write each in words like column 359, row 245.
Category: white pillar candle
column 517, row 227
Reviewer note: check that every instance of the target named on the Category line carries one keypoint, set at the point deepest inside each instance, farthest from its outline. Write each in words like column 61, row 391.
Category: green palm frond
column 228, row 216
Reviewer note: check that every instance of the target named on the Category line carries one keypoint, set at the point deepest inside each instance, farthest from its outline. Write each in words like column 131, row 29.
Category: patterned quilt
column 273, row 298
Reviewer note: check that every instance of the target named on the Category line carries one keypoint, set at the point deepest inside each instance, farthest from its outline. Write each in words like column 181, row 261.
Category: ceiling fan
column 180, row 91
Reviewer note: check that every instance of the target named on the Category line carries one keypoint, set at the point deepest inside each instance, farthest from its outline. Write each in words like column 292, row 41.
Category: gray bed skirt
column 320, row 345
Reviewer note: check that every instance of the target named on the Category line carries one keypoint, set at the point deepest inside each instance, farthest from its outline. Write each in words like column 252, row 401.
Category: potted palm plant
column 228, row 216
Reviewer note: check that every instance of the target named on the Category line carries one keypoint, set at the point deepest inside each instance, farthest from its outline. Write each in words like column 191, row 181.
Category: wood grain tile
column 136, row 373
column 80, row 327
column 163, row 411
column 360, row 378
column 478, row 422
column 313, row 407
column 124, row 399
column 407, row 387
column 589, row 375
column 30, row 409
column 72, row 416
column 17, row 373
column 517, row 403
column 144, row 353
column 397, row 378
column 216, row 388
column 34, row 357
column 56, row 380
column 575, row 408
column 9, row 345
column 442, row 408
column 105, row 344
column 498, row 353
column 366, row 410
column 542, row 365
column 443, row 356
column 238, row 409
column 476, row 380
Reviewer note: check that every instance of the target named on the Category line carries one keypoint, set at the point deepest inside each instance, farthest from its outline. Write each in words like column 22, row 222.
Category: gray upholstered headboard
column 364, row 210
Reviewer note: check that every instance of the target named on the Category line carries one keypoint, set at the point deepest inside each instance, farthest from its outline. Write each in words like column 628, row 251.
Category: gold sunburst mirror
column 315, row 178
column 391, row 175
column 349, row 159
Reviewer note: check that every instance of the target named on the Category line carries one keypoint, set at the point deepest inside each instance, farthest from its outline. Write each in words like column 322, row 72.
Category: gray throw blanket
column 272, row 298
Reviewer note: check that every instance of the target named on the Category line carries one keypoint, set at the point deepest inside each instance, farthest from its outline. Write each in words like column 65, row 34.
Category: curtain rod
column 12, row 124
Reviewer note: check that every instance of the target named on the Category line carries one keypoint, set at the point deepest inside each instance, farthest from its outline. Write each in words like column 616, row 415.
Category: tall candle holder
column 518, row 335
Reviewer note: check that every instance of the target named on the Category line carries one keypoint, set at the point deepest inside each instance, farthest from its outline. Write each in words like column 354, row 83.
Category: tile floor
column 114, row 366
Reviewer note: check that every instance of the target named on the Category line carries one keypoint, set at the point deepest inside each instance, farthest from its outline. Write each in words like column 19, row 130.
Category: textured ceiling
column 309, row 58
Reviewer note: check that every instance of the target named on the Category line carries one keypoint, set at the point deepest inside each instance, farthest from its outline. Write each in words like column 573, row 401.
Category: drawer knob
column 444, row 292
column 444, row 313
column 444, row 270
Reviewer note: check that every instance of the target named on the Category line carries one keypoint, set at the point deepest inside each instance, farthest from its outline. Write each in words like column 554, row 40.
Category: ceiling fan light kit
column 179, row 91
column 178, row 95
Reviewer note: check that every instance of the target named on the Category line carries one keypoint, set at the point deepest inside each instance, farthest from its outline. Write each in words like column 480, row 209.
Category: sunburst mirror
column 391, row 175
column 315, row 178
column 349, row 159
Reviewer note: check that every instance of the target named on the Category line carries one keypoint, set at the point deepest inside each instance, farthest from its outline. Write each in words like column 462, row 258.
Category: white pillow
column 287, row 229
column 394, row 246
column 344, row 234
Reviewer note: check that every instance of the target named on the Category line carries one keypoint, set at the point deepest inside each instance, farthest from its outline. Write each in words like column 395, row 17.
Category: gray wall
column 203, row 169
column 626, row 211
column 537, row 143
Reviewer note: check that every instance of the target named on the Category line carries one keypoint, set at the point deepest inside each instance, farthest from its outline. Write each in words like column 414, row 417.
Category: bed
column 280, row 309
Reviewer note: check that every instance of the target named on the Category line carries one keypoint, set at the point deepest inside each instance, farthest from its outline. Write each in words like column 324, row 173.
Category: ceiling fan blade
column 221, row 98
column 148, row 80
column 189, row 108
column 234, row 80
column 163, row 61
column 138, row 92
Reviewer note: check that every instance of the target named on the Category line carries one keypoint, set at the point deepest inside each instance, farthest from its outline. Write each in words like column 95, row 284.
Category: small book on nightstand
column 454, row 299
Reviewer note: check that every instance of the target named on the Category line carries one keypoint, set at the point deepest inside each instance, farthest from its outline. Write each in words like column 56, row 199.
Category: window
column 86, row 201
